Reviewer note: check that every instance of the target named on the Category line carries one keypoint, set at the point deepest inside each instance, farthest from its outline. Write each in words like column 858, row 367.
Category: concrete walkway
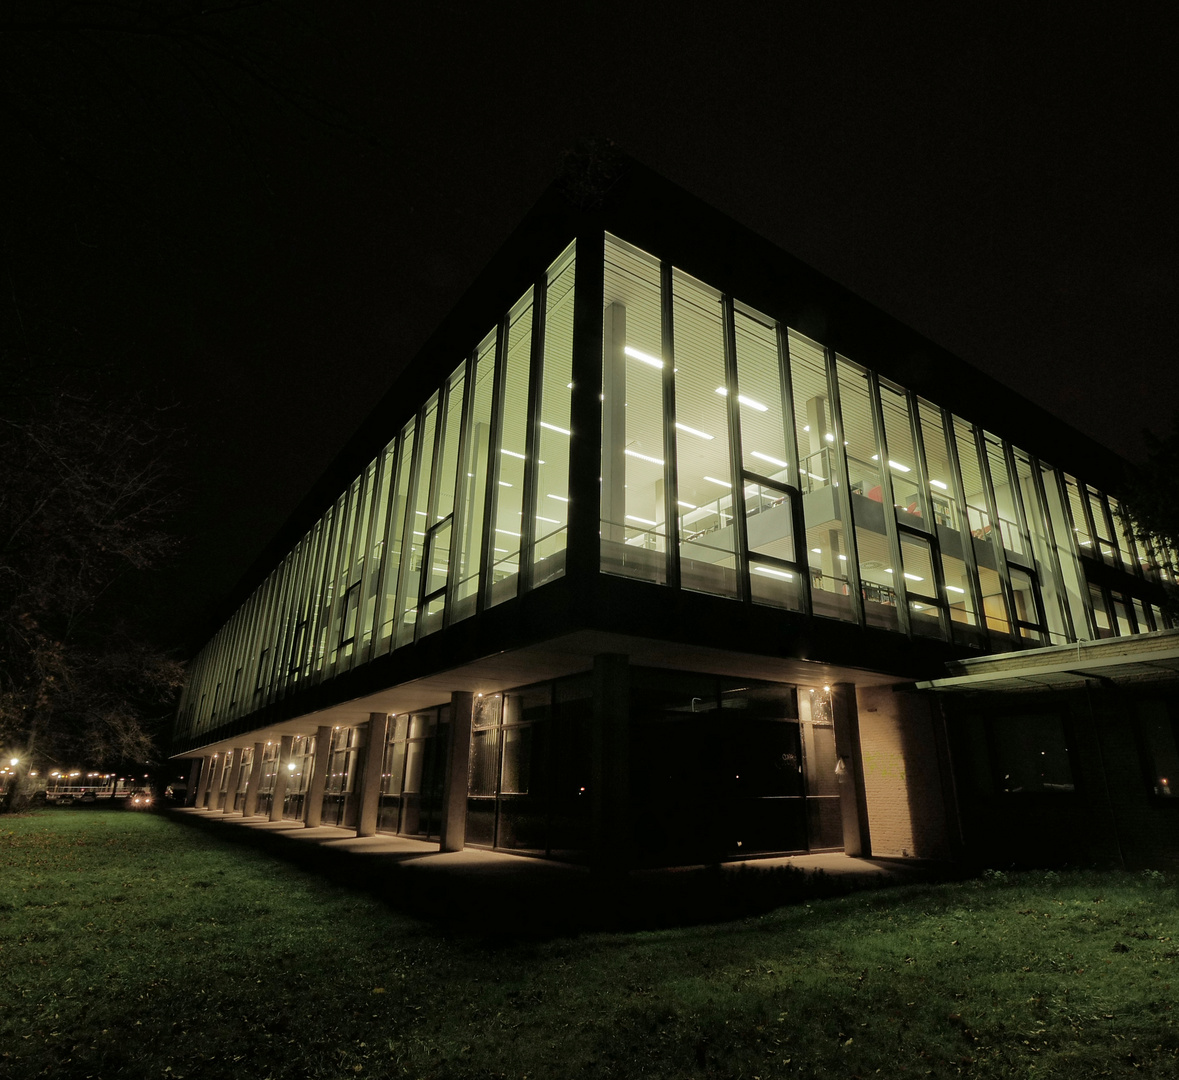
column 489, row 892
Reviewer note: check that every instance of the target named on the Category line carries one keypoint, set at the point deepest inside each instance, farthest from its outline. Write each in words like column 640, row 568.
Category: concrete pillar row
column 853, row 802
column 280, row 776
column 313, row 807
column 196, row 772
column 452, row 832
column 213, row 795
column 611, row 841
column 250, row 806
column 235, row 779
column 372, row 759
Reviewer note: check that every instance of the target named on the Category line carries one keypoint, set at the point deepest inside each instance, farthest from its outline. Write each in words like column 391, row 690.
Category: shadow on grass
column 534, row 898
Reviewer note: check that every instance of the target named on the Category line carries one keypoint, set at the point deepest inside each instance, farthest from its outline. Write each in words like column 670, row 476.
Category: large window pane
column 395, row 532
column 477, row 465
column 825, row 540
column 411, row 563
column 509, row 493
column 552, row 466
column 707, row 530
column 634, row 532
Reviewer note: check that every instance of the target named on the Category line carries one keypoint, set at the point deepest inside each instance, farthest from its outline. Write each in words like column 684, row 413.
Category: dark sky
column 259, row 215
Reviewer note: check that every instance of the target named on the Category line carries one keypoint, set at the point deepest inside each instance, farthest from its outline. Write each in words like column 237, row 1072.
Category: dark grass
column 131, row 946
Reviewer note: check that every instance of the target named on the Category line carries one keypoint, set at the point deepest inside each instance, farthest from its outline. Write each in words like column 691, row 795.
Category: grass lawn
column 133, row 946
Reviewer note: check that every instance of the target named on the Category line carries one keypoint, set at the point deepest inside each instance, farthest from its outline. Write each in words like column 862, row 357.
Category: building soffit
column 568, row 654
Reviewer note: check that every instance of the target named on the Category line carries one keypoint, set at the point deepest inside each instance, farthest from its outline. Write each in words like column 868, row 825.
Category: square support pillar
column 196, row 775
column 452, row 830
column 250, row 806
column 853, row 803
column 610, row 776
column 214, row 793
column 313, row 809
column 235, row 779
column 370, row 773
column 280, row 777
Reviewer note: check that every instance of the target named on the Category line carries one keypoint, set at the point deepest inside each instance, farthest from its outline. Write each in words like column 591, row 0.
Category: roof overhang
column 1142, row 658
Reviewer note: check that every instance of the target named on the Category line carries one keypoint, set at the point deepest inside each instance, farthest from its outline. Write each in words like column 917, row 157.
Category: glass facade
column 739, row 457
column 912, row 520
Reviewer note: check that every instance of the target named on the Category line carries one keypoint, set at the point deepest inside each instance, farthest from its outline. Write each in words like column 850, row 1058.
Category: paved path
column 491, row 892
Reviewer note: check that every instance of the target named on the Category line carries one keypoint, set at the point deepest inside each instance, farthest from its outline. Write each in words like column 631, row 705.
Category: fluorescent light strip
column 642, row 521
column 723, row 391
column 512, row 453
column 559, row 498
column 766, row 457
column 686, row 506
column 938, row 484
column 954, row 588
column 643, row 457
column 504, row 483
column 551, row 521
column 566, row 431
column 773, row 573
column 693, row 431
column 508, row 532
column 643, row 358
column 722, row 483
column 913, row 577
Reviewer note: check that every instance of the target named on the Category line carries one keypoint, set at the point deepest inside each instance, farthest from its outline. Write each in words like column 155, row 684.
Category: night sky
column 256, row 217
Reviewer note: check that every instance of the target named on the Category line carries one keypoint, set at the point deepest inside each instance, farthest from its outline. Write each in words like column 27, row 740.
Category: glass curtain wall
column 266, row 779
column 466, row 508
column 299, row 769
column 339, row 805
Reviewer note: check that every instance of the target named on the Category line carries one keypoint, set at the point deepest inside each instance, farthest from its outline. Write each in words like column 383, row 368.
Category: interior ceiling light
column 722, row 483
column 685, row 505
column 694, row 431
column 508, row 532
column 938, row 484
column 559, row 498
column 512, row 453
column 748, row 401
column 913, row 577
column 643, row 358
column 504, row 483
column 642, row 521
column 954, row 588
column 766, row 457
column 773, row 573
column 643, row 457
column 829, row 437
column 566, row 431
column 817, row 551
column 551, row 521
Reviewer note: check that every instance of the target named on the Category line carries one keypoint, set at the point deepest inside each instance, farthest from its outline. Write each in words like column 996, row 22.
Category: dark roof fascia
column 649, row 211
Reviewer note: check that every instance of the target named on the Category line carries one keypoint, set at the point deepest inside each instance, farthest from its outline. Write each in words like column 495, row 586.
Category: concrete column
column 313, row 808
column 453, row 828
column 195, row 774
column 610, row 776
column 235, row 779
column 280, row 777
column 369, row 780
column 250, row 807
column 853, row 803
column 214, row 802
column 206, row 776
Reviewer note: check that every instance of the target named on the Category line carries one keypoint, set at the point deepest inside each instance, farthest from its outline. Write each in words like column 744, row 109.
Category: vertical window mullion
column 798, row 518
column 736, row 456
column 968, row 555
column 670, row 450
column 532, row 435
column 462, row 481
column 890, row 517
column 984, row 467
column 844, row 497
column 498, row 389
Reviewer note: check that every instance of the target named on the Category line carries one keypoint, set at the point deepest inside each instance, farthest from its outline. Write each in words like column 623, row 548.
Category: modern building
column 667, row 549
